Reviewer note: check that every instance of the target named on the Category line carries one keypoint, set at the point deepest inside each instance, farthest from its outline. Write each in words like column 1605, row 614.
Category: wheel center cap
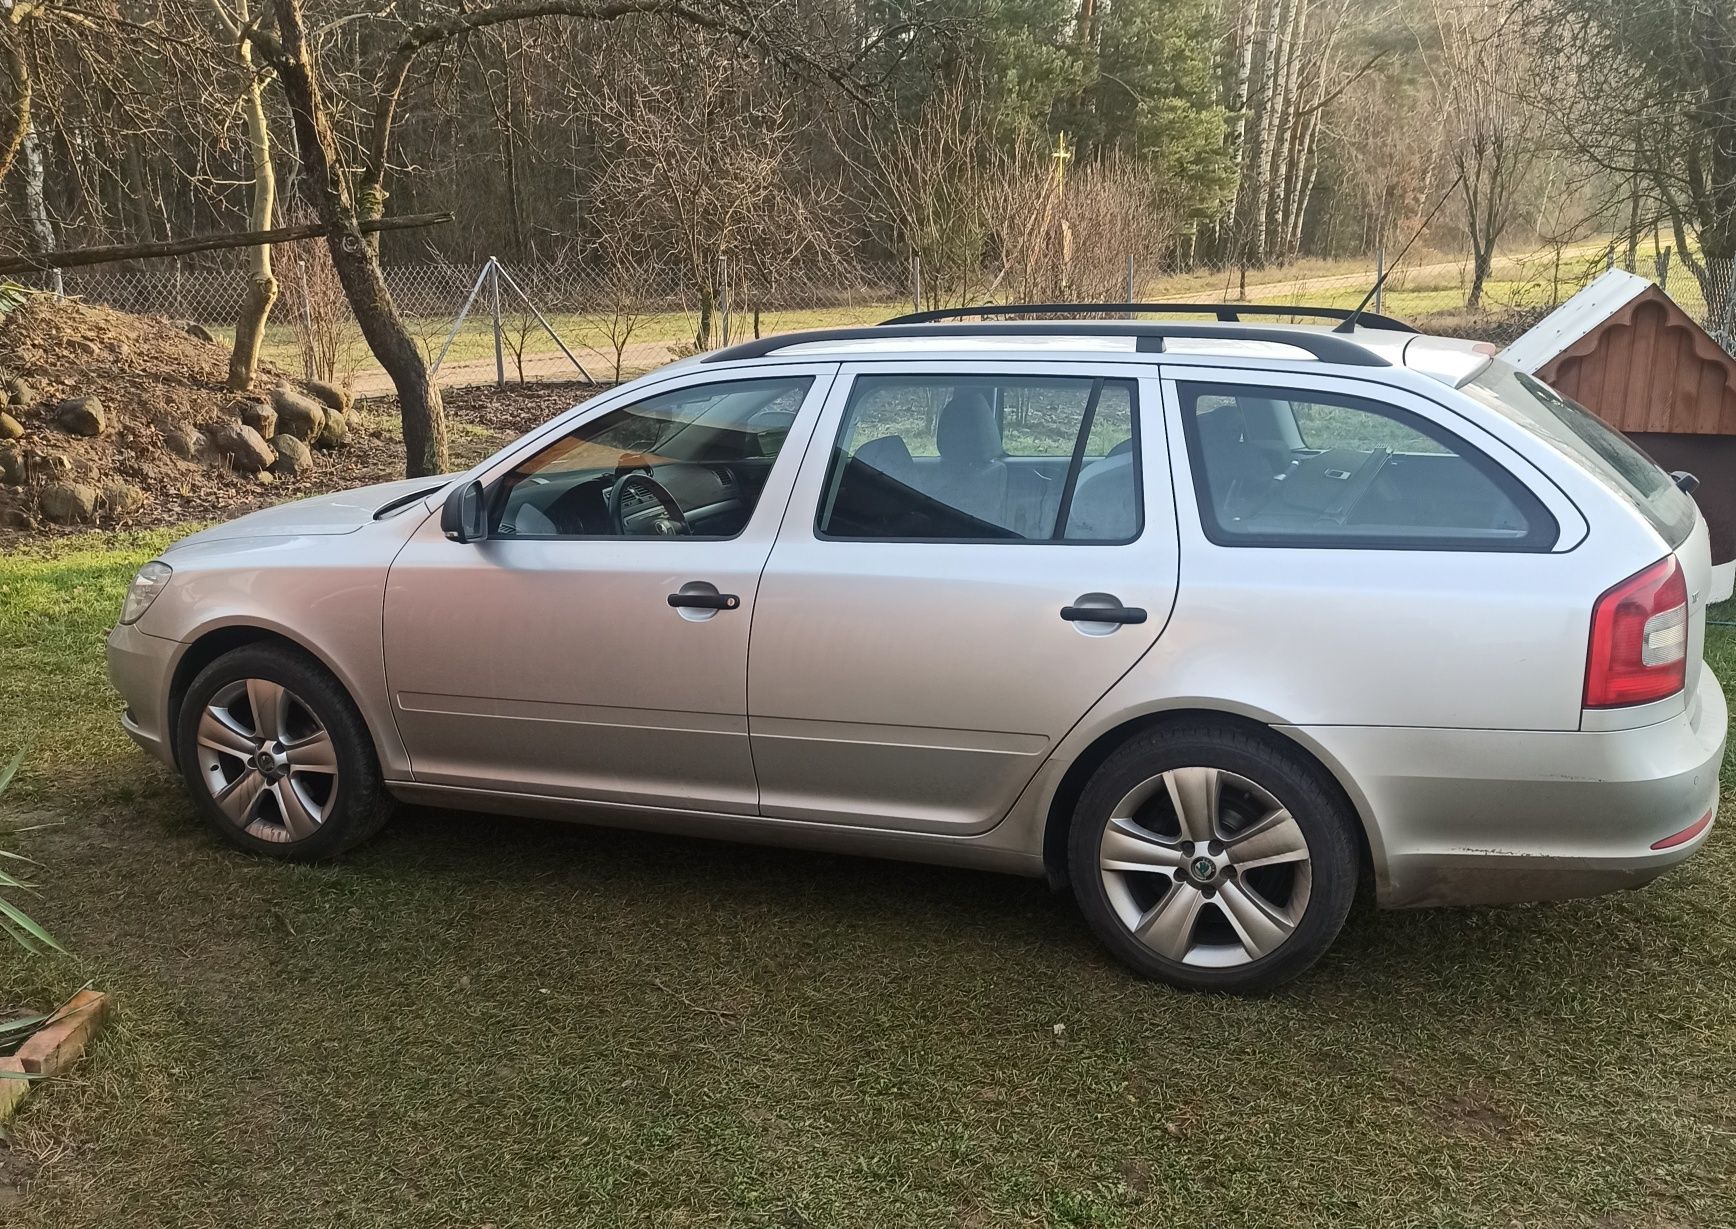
column 1203, row 869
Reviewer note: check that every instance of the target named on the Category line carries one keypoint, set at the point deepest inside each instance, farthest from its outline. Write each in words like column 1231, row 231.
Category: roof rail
column 1150, row 335
column 1229, row 313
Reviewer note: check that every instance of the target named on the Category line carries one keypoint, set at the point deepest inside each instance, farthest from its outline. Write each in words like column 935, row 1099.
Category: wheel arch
column 1058, row 819
column 215, row 642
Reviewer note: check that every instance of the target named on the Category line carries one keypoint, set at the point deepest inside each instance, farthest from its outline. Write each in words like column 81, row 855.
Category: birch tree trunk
column 261, row 292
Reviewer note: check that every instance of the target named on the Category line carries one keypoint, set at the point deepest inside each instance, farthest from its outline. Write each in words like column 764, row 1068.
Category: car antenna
column 1349, row 325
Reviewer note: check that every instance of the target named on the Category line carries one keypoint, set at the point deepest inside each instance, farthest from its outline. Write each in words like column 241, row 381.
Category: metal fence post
column 1128, row 297
column 723, row 295
column 1664, row 268
column 1379, row 279
column 915, row 282
column 494, row 306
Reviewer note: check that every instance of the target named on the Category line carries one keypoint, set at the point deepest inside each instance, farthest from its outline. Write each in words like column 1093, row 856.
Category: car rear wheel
column 278, row 758
column 1213, row 859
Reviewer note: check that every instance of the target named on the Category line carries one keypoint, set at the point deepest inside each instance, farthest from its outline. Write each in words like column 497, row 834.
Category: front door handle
column 705, row 601
column 1103, row 614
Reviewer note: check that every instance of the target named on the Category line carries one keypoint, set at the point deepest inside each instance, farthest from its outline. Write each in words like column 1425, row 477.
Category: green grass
column 486, row 1021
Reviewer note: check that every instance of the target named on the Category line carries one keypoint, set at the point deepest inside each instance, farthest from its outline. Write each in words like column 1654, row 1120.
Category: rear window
column 1598, row 447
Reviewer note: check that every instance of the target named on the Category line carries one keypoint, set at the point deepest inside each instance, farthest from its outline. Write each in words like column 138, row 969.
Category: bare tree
column 1645, row 92
column 1491, row 127
column 923, row 179
column 261, row 291
column 703, row 163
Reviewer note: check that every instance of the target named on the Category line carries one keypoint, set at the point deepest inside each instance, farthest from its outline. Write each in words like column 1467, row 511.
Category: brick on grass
column 55, row 1046
column 12, row 1089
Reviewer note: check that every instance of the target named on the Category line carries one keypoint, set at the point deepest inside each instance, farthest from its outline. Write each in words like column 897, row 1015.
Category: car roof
column 1451, row 361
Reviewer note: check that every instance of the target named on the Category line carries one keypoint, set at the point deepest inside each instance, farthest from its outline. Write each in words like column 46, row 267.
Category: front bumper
column 141, row 668
column 1464, row 817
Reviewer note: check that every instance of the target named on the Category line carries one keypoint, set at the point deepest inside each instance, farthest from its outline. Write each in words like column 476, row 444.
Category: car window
column 1274, row 467
column 985, row 458
column 690, row 462
column 1599, row 448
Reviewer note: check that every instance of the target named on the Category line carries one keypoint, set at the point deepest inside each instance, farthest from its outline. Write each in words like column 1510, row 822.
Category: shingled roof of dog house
column 1626, row 351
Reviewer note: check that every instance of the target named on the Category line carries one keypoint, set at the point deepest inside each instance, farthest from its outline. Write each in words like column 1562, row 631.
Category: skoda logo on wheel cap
column 1203, row 868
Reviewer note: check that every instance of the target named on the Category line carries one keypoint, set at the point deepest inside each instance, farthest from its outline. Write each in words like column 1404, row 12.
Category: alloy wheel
column 1205, row 867
column 267, row 760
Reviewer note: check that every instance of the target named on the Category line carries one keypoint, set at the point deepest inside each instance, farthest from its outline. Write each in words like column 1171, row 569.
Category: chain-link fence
column 543, row 320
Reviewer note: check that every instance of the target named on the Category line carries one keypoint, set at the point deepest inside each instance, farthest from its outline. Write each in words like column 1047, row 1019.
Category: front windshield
column 1600, row 449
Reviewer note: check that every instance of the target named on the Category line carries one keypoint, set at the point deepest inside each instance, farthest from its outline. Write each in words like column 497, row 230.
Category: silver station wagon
column 1212, row 621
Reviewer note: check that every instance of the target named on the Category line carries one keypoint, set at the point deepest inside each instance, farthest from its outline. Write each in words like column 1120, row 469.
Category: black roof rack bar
column 1150, row 335
column 1229, row 313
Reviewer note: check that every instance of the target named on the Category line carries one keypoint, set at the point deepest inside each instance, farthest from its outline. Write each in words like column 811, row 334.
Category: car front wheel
column 277, row 757
column 1213, row 858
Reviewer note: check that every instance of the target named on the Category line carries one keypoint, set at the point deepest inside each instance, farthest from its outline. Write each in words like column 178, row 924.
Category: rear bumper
column 1461, row 817
column 140, row 668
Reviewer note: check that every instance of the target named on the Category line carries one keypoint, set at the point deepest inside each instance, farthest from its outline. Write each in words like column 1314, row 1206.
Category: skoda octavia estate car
column 1211, row 621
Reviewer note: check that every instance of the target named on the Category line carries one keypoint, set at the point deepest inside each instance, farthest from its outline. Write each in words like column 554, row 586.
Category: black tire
column 1323, row 818
column 355, row 803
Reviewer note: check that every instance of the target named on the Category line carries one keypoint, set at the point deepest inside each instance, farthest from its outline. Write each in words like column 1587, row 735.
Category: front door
column 594, row 644
column 972, row 556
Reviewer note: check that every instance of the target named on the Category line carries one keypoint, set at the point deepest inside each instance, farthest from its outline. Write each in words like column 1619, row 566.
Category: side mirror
column 464, row 516
column 1686, row 481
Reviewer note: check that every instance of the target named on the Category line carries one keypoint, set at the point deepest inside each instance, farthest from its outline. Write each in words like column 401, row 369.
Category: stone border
column 53, row 1048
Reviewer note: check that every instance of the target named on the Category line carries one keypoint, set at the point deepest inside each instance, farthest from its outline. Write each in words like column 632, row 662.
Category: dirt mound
column 120, row 420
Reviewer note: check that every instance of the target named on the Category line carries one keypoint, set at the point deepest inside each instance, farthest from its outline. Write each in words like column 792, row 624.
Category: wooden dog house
column 1624, row 350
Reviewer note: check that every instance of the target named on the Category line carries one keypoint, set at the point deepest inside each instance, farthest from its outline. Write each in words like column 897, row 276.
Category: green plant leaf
column 18, row 924
column 11, row 770
column 20, row 1024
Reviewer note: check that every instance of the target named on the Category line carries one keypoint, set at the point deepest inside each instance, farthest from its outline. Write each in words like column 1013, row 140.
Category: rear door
column 972, row 556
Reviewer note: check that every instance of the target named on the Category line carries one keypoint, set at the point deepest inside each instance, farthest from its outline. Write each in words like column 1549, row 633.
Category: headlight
column 144, row 589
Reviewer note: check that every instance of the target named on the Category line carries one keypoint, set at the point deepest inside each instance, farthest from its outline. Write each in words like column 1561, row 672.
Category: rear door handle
column 705, row 601
column 1103, row 614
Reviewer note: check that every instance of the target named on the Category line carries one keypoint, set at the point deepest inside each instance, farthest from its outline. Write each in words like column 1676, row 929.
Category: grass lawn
column 478, row 1021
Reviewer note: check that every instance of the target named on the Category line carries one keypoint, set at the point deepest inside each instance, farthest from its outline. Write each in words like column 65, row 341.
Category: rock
column 182, row 440
column 68, row 503
column 297, row 415
column 20, row 390
column 336, row 432
column 81, row 416
column 5, row 397
column 10, row 427
column 11, row 467
column 195, row 329
column 86, row 348
column 120, row 498
column 331, row 397
column 261, row 417
column 294, row 458
column 265, row 477
column 45, row 467
column 241, row 446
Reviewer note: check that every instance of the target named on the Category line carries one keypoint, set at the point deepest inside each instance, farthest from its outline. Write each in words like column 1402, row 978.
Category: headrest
column 889, row 454
column 967, row 431
column 1222, row 425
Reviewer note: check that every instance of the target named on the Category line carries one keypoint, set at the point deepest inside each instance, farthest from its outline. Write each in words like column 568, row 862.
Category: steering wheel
column 673, row 522
column 1361, row 482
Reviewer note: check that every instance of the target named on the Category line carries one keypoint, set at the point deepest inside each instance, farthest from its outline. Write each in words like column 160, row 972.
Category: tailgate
column 1695, row 557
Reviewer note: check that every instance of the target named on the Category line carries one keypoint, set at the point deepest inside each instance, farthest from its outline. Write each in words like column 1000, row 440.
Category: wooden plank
column 39, row 262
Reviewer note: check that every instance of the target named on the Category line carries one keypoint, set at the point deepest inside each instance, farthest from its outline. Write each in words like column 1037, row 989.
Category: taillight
column 1639, row 639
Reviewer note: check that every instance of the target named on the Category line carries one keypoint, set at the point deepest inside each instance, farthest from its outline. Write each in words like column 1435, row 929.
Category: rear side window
column 1286, row 467
column 985, row 459
column 1599, row 448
